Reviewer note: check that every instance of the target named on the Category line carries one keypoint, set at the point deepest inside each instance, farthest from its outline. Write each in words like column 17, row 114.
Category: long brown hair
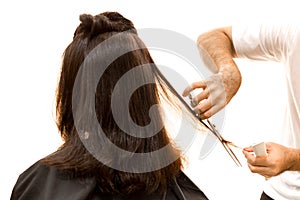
column 73, row 156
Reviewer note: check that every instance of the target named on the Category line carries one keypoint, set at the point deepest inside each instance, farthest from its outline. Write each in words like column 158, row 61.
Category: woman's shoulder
column 41, row 181
column 31, row 175
column 37, row 168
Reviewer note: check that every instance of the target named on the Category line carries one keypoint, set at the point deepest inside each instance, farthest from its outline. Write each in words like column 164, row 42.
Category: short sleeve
column 264, row 42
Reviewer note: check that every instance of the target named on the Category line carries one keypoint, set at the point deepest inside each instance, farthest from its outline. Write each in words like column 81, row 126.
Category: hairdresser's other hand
column 214, row 96
column 278, row 160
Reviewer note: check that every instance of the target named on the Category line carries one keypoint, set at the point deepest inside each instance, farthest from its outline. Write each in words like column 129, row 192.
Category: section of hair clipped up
column 92, row 26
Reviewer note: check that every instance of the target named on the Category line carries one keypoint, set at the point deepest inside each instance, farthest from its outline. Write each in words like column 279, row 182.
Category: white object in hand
column 260, row 149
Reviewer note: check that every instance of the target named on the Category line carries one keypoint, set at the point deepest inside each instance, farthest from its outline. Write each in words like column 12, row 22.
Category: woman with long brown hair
column 108, row 113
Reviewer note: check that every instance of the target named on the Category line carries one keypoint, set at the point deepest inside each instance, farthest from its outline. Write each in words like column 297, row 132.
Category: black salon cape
column 41, row 182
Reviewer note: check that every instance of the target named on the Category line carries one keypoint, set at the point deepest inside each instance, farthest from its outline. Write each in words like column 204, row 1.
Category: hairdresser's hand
column 278, row 160
column 212, row 98
column 217, row 51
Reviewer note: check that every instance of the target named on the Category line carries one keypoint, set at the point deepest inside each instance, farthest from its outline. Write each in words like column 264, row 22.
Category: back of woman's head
column 106, row 100
column 89, row 45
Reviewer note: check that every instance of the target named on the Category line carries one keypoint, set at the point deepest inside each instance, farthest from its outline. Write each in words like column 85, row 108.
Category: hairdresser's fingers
column 200, row 97
column 203, row 107
column 253, row 160
column 258, row 164
column 248, row 149
column 194, row 85
column 262, row 170
column 207, row 113
column 212, row 109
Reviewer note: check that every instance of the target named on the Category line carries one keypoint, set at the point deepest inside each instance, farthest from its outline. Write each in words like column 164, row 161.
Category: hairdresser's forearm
column 218, row 44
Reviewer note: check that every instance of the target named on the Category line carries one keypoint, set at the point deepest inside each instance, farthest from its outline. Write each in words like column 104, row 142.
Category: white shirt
column 279, row 43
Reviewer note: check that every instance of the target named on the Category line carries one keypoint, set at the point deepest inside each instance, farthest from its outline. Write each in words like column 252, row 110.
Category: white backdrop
column 34, row 35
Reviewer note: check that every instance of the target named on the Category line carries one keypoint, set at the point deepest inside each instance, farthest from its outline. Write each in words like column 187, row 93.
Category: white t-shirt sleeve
column 264, row 42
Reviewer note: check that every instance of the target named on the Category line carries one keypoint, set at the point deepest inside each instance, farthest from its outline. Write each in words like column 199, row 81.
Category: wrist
column 294, row 160
column 231, row 78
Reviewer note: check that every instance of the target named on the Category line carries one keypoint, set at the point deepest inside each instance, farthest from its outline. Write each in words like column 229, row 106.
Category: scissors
column 210, row 126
